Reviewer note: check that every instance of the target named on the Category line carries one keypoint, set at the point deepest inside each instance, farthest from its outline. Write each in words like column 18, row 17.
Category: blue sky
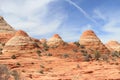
column 68, row 18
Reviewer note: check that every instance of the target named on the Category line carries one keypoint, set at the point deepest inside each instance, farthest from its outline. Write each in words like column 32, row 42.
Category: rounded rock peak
column 113, row 42
column 21, row 33
column 88, row 33
column 1, row 18
column 56, row 36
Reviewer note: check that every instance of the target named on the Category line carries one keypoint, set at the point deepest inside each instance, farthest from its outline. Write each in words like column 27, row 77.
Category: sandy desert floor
column 53, row 68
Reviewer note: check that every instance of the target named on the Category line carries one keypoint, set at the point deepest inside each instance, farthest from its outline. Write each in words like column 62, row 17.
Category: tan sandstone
column 92, row 42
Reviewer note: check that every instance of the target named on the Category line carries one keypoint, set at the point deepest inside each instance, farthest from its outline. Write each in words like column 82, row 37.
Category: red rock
column 43, row 41
column 20, row 43
column 113, row 46
column 6, row 31
column 56, row 40
column 91, row 41
column 21, row 33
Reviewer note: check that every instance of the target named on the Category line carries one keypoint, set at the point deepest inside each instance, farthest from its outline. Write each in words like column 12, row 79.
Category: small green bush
column 97, row 55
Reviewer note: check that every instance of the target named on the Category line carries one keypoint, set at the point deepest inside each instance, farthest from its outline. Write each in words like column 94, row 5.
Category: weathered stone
column 113, row 46
column 91, row 41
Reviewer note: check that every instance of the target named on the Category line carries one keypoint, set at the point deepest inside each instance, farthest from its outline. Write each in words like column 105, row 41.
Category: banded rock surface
column 6, row 31
column 55, row 41
column 92, row 42
column 20, row 43
column 113, row 46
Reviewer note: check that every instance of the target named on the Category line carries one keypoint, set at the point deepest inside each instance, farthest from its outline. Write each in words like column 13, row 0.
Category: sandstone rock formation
column 20, row 43
column 92, row 42
column 113, row 46
column 55, row 41
column 6, row 31
column 43, row 41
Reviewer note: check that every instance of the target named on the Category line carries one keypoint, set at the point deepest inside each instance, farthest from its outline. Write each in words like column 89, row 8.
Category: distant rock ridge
column 92, row 42
column 113, row 46
column 6, row 31
column 56, row 40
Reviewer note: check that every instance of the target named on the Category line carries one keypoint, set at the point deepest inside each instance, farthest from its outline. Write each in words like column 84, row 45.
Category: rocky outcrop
column 113, row 46
column 55, row 41
column 92, row 42
column 43, row 41
column 20, row 43
column 6, row 31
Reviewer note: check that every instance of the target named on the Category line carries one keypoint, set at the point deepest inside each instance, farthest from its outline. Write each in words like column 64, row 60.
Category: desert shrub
column 4, row 72
column 18, row 64
column 15, row 74
column 84, row 53
column 65, row 44
column 39, row 52
column 41, row 71
column 32, row 63
column 13, row 57
column 49, row 54
column 45, row 47
column 104, row 57
column 78, row 66
column 42, row 66
column 75, row 50
column 115, row 54
column 82, row 46
column 97, row 55
column 77, row 44
column 65, row 55
column 87, row 57
column 0, row 53
column 1, row 49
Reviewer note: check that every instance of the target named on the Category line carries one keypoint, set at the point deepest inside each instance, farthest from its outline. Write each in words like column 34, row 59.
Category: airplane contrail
column 81, row 10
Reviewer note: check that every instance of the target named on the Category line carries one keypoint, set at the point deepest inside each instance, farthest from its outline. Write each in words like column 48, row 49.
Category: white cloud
column 111, row 25
column 31, row 15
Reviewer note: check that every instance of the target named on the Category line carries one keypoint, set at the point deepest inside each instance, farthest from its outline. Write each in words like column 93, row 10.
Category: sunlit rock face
column 6, row 31
column 20, row 43
column 56, row 40
column 92, row 42
column 113, row 46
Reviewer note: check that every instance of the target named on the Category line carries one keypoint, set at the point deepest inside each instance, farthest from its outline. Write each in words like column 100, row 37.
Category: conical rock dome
column 19, row 43
column 56, row 40
column 92, row 42
column 6, row 31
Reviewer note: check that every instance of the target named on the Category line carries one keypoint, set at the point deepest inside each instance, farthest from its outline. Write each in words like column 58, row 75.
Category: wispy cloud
column 35, row 17
column 111, row 24
column 81, row 10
